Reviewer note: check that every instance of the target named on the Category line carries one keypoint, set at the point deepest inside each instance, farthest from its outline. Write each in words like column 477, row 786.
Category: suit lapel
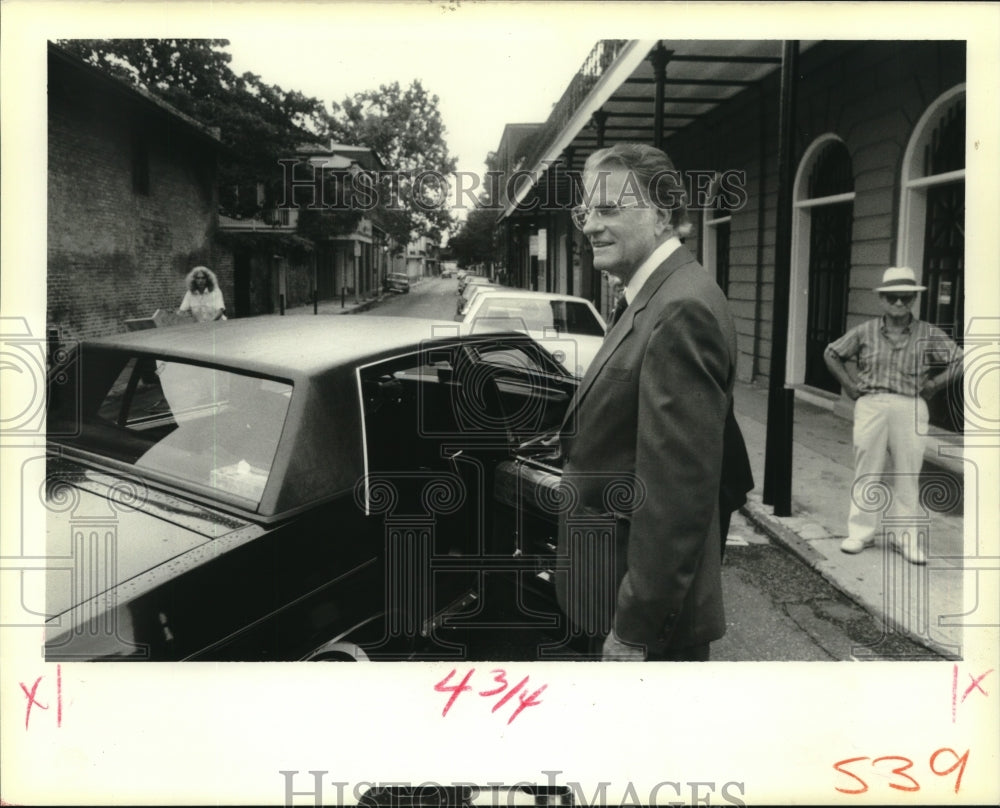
column 623, row 326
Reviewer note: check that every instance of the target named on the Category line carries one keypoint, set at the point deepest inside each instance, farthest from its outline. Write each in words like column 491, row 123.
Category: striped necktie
column 618, row 310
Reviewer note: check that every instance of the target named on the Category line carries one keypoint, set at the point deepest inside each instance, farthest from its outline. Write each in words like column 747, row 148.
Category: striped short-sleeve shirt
column 896, row 364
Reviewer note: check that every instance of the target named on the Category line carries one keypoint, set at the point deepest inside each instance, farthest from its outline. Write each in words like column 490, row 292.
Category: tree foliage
column 404, row 127
column 262, row 123
column 474, row 243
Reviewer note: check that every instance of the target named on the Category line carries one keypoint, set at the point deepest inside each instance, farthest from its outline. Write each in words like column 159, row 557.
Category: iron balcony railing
column 601, row 57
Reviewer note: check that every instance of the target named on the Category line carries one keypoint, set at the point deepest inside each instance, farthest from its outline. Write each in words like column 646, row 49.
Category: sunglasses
column 581, row 213
column 893, row 297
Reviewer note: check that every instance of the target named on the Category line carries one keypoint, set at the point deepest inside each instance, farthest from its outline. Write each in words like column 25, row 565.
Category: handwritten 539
column 500, row 685
column 893, row 770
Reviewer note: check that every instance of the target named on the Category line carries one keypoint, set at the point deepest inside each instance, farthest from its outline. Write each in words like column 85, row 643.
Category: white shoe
column 855, row 545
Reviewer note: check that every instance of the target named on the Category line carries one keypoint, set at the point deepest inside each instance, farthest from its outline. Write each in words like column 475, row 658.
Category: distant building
column 354, row 263
column 422, row 258
column 278, row 263
column 516, row 143
column 132, row 200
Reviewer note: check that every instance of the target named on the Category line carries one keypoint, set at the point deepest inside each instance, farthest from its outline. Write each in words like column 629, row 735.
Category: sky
column 482, row 83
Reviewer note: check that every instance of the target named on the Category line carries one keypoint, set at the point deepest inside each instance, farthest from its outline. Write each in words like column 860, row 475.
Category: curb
column 363, row 306
column 793, row 543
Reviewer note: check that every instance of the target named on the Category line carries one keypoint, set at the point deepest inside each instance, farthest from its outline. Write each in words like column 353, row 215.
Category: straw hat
column 899, row 279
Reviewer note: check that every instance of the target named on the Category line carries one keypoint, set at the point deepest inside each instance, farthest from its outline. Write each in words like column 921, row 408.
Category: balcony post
column 600, row 118
column 659, row 57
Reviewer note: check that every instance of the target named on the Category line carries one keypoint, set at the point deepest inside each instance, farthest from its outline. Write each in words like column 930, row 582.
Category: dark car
column 397, row 282
column 286, row 488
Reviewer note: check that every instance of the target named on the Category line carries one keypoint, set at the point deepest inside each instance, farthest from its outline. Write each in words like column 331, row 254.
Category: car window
column 521, row 314
column 574, row 317
column 498, row 391
column 209, row 427
column 509, row 357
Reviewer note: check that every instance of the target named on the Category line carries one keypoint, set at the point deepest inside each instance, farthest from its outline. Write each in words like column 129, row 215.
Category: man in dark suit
column 642, row 442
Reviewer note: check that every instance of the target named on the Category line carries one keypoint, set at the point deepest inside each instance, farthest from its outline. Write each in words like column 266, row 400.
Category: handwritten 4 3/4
column 500, row 685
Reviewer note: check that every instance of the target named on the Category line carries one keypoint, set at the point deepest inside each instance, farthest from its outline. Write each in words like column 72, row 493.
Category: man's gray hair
column 655, row 174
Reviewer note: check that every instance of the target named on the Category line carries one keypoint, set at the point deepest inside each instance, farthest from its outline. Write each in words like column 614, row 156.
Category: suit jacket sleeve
column 682, row 402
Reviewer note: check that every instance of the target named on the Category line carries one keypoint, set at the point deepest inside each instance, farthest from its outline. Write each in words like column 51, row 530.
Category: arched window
column 823, row 218
column 932, row 227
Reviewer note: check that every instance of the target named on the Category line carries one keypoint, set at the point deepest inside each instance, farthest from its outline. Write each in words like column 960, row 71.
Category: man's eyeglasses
column 581, row 213
column 892, row 298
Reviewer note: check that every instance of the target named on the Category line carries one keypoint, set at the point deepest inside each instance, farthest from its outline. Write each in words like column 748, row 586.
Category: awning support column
column 781, row 402
column 659, row 57
column 600, row 118
column 568, row 219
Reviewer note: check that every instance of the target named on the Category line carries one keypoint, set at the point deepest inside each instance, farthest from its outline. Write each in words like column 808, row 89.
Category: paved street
column 778, row 607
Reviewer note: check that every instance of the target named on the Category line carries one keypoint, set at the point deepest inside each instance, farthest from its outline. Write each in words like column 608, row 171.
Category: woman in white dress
column 203, row 297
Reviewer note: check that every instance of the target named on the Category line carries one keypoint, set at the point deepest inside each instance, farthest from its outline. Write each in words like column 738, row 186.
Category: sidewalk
column 350, row 306
column 921, row 602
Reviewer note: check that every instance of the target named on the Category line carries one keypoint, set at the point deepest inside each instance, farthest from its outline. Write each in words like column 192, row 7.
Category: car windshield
column 213, row 428
column 518, row 314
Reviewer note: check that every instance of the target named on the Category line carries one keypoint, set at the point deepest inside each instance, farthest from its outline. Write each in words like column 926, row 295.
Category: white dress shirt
column 657, row 257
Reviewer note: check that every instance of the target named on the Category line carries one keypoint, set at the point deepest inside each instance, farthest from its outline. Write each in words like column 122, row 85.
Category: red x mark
column 975, row 684
column 32, row 701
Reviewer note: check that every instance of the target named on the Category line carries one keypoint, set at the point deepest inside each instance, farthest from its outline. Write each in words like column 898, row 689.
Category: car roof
column 317, row 353
column 527, row 294
column 295, row 345
column 476, row 288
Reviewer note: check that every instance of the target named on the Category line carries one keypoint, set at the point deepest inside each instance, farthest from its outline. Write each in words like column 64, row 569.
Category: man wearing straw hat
column 899, row 365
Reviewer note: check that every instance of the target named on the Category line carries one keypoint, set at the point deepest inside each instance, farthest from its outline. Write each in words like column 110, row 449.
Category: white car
column 469, row 292
column 569, row 327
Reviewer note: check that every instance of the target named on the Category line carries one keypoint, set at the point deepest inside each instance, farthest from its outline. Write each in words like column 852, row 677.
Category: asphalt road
column 430, row 298
column 778, row 609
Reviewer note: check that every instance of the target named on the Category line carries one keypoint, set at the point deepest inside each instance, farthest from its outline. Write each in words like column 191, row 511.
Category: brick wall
column 115, row 253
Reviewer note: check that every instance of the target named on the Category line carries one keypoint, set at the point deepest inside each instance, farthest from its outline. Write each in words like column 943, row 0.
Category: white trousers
column 897, row 425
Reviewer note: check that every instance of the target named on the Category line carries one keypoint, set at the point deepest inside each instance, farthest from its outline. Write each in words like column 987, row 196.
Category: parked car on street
column 294, row 488
column 481, row 285
column 397, row 282
column 470, row 278
column 569, row 327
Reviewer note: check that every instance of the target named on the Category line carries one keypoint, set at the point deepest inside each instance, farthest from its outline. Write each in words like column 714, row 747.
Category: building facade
column 280, row 261
column 878, row 179
column 132, row 201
